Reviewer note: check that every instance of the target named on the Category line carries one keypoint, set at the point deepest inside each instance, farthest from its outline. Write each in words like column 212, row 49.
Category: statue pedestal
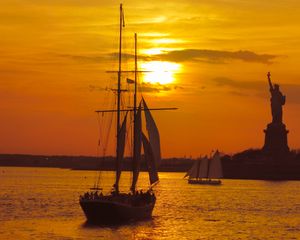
column 276, row 139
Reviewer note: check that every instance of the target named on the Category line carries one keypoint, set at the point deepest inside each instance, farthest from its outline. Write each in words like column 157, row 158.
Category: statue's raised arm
column 277, row 101
column 269, row 79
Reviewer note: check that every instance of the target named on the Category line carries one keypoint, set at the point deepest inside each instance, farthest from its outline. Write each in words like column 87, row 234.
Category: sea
column 43, row 203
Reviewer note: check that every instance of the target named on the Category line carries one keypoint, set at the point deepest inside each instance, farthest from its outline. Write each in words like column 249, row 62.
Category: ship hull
column 111, row 212
column 205, row 181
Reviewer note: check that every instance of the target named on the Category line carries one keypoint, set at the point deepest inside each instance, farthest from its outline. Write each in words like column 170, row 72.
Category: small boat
column 206, row 171
column 119, row 207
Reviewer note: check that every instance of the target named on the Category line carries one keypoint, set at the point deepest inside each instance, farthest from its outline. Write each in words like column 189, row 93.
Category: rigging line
column 98, row 173
column 123, row 103
column 104, row 123
column 110, row 120
column 130, row 141
column 102, row 141
column 129, row 138
column 132, row 144
column 143, row 109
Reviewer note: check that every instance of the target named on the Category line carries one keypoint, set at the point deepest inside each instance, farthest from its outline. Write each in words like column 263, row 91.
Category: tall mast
column 135, row 75
column 118, row 172
column 135, row 162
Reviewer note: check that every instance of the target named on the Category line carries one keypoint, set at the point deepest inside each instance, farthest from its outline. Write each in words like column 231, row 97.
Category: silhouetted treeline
column 248, row 164
column 87, row 163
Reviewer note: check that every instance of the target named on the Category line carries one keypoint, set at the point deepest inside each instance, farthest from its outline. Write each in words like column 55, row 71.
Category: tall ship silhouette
column 116, row 206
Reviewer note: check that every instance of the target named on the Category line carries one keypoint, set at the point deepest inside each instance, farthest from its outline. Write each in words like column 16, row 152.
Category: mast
column 135, row 76
column 118, row 171
column 136, row 136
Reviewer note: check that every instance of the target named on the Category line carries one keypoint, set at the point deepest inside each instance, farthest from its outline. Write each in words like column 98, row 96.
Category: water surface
column 42, row 203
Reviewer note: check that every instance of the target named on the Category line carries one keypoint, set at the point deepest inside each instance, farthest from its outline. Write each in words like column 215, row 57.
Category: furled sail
column 120, row 152
column 150, row 161
column 203, row 171
column 137, row 147
column 215, row 167
column 193, row 172
column 153, row 134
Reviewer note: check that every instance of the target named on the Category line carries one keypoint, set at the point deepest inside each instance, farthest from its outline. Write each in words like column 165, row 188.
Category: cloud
column 215, row 56
column 84, row 58
column 149, row 87
column 97, row 88
column 238, row 93
column 4, row 71
column 106, row 57
column 129, row 56
column 143, row 87
column 254, row 85
column 157, row 87
column 186, row 55
column 258, row 88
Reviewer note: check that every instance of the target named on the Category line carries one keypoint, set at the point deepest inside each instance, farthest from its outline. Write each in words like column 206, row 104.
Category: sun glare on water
column 160, row 72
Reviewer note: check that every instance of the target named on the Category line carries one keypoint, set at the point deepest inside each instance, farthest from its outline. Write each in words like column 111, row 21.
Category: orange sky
column 54, row 55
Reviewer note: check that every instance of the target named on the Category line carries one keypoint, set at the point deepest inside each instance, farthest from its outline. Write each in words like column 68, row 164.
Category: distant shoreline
column 249, row 164
column 87, row 162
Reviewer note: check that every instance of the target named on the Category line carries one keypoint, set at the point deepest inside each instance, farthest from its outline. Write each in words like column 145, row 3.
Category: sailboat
column 206, row 171
column 121, row 207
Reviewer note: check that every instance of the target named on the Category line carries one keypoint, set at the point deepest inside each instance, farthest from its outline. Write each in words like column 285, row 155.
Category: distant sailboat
column 206, row 171
column 117, row 207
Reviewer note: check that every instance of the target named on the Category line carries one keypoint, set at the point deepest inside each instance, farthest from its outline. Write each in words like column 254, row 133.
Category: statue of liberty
column 276, row 141
column 277, row 101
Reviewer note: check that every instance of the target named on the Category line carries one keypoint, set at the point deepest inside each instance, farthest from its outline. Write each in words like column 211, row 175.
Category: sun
column 160, row 72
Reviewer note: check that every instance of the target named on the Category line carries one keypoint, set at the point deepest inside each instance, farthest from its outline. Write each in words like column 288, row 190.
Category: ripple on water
column 43, row 204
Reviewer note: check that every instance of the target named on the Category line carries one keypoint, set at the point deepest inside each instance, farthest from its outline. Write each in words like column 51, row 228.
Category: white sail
column 150, row 161
column 203, row 171
column 153, row 135
column 193, row 172
column 215, row 167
